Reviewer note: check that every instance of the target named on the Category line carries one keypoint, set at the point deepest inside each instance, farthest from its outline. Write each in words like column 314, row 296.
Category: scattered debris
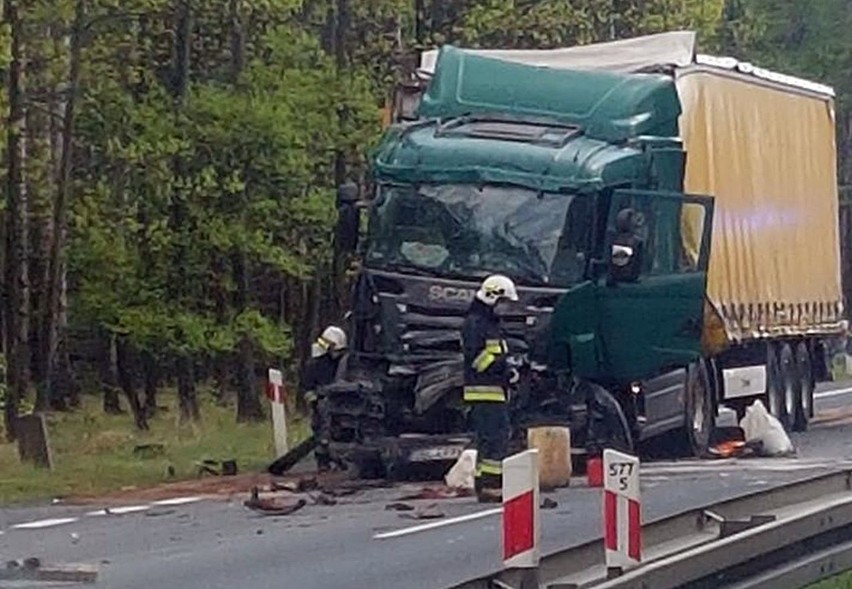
column 729, row 449
column 322, row 499
column 398, row 506
column 275, row 506
column 146, row 451
column 760, row 426
column 303, row 485
column 207, row 467
column 229, row 468
column 461, row 475
column 437, row 493
column 226, row 468
column 549, row 503
column 159, row 512
column 728, row 442
column 32, row 569
column 75, row 538
column 431, row 511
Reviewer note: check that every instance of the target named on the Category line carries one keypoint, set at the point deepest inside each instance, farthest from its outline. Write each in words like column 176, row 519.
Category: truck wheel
column 791, row 387
column 774, row 385
column 700, row 408
column 805, row 409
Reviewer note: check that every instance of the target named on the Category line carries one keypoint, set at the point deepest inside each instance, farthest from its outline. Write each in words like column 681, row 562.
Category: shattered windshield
column 472, row 231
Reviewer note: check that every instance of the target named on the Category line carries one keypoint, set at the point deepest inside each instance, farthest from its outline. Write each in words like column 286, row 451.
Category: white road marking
column 178, row 501
column 834, row 393
column 45, row 523
column 439, row 524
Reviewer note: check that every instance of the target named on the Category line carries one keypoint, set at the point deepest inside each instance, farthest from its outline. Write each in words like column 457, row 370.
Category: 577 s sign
column 622, row 510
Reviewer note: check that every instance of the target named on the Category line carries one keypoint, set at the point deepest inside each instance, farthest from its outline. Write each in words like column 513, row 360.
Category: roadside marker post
column 521, row 521
column 275, row 392
column 622, row 512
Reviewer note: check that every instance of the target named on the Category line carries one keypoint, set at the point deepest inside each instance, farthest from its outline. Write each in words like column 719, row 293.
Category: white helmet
column 333, row 338
column 496, row 287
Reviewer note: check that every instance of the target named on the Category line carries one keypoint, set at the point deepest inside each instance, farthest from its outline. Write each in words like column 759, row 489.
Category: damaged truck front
column 571, row 180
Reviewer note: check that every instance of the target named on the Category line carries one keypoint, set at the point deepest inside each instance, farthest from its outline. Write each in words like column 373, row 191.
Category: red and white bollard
column 275, row 392
column 521, row 523
column 622, row 512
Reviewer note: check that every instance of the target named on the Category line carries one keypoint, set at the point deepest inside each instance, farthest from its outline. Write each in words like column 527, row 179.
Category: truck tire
column 791, row 386
column 700, row 408
column 805, row 409
column 774, row 385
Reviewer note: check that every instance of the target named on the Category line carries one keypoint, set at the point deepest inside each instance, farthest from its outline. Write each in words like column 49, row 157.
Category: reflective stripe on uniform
column 496, row 346
column 489, row 393
column 489, row 467
column 323, row 343
column 483, row 360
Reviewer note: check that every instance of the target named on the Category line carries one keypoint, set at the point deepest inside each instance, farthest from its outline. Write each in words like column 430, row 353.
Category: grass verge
column 93, row 452
column 843, row 581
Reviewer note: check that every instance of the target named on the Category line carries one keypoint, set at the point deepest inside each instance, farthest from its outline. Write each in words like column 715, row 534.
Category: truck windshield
column 472, row 231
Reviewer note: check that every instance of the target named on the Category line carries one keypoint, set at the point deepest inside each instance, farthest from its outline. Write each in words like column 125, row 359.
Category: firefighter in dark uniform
column 486, row 381
column 321, row 369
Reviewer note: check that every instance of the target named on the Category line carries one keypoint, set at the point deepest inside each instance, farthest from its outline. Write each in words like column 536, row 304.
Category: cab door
column 650, row 304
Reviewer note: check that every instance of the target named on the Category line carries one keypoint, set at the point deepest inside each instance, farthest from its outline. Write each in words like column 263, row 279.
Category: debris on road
column 437, row 493
column 399, row 506
column 764, row 432
column 431, row 511
column 322, row 499
column 32, row 569
column 461, row 475
column 549, row 503
column 274, row 506
column 302, row 485
column 728, row 442
column 225, row 468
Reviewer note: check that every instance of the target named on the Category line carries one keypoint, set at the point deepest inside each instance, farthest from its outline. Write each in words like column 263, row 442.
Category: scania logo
column 451, row 294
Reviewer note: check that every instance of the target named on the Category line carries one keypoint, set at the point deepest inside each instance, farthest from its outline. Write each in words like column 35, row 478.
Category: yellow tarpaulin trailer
column 765, row 149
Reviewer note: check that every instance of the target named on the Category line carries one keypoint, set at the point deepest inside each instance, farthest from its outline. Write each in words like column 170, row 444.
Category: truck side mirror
column 348, row 217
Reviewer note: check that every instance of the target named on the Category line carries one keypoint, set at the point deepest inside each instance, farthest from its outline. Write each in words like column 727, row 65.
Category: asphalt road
column 214, row 544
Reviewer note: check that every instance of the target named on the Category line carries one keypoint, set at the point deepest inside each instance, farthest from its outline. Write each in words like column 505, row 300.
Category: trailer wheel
column 804, row 411
column 700, row 408
column 790, row 385
column 774, row 385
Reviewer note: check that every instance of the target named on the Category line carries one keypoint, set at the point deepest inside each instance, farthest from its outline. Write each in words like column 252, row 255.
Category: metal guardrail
column 806, row 524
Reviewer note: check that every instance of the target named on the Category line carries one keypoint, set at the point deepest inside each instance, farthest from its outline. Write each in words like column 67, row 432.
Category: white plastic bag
column 461, row 475
column 760, row 426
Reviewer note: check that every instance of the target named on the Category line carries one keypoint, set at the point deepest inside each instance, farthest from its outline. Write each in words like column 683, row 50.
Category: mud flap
column 607, row 423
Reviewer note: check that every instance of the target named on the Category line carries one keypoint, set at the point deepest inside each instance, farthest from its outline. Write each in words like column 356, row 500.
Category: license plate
column 436, row 453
